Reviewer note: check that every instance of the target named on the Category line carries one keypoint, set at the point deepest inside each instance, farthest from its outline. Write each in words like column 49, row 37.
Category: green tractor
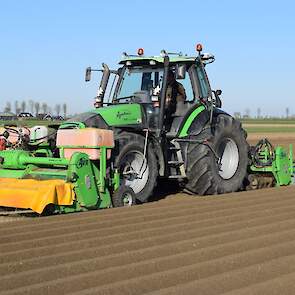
column 192, row 141
column 160, row 119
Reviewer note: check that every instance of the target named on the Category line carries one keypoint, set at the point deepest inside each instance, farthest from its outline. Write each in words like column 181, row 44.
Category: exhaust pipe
column 163, row 93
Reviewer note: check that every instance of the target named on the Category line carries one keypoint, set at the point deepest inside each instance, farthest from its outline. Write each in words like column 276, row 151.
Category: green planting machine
column 138, row 132
column 77, row 178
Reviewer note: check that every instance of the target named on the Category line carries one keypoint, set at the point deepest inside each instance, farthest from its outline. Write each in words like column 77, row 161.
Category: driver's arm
column 181, row 95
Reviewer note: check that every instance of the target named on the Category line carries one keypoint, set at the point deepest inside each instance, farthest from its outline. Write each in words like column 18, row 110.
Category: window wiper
column 125, row 97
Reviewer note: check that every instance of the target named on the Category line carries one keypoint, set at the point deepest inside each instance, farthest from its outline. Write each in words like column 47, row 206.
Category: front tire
column 138, row 171
column 206, row 175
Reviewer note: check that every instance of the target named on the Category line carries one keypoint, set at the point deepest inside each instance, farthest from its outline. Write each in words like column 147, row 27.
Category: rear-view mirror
column 218, row 92
column 88, row 74
column 180, row 71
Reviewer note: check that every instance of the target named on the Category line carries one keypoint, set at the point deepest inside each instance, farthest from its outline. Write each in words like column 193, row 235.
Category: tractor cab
column 142, row 80
column 167, row 124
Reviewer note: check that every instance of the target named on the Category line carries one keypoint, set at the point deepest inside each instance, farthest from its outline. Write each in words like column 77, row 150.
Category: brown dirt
column 258, row 125
column 283, row 139
column 242, row 243
column 5, row 219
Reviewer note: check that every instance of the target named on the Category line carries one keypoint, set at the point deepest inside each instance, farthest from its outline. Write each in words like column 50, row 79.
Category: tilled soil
column 5, row 219
column 241, row 243
column 283, row 139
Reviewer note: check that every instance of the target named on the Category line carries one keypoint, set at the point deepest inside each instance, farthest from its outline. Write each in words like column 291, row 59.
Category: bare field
column 241, row 243
column 5, row 219
column 282, row 139
column 267, row 125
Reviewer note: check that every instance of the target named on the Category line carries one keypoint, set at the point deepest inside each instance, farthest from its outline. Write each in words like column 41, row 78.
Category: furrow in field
column 13, row 242
column 167, row 272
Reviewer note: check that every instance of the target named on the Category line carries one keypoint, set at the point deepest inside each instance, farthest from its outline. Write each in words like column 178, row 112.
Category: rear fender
column 197, row 119
column 194, row 121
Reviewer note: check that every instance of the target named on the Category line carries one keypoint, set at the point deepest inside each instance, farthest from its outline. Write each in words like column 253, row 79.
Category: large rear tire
column 221, row 165
column 139, row 171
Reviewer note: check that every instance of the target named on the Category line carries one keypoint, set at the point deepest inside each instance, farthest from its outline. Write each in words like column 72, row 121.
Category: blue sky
column 46, row 46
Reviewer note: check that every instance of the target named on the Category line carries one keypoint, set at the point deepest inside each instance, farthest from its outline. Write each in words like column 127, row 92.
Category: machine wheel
column 139, row 173
column 124, row 197
column 221, row 165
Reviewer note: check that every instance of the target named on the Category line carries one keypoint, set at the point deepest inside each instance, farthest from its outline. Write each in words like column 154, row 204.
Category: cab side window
column 186, row 83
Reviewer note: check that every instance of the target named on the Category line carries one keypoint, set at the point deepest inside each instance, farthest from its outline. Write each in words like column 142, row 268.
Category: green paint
column 47, row 174
column 72, row 125
column 89, row 179
column 291, row 164
column 43, row 151
column 190, row 119
column 105, row 200
column 19, row 159
column 103, row 168
column 80, row 173
column 281, row 168
column 121, row 114
column 116, row 180
column 7, row 173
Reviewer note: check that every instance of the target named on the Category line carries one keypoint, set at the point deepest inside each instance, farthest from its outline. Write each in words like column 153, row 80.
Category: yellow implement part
column 35, row 194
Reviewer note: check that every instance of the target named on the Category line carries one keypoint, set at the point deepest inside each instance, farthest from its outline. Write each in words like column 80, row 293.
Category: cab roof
column 141, row 59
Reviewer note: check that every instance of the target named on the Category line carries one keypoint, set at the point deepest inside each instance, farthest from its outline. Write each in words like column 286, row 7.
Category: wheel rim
column 135, row 170
column 127, row 199
column 229, row 158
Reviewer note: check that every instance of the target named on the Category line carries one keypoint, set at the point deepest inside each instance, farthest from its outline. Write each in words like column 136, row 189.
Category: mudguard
column 196, row 119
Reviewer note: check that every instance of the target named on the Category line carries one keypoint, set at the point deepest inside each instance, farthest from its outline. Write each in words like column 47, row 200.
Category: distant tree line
column 247, row 114
column 36, row 108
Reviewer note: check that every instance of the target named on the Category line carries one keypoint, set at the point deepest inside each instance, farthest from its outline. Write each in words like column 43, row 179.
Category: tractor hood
column 108, row 116
column 121, row 114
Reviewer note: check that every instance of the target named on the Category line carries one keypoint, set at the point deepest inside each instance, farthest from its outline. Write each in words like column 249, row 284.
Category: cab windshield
column 137, row 80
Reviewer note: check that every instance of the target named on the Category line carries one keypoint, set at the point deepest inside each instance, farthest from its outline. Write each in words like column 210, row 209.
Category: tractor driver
column 175, row 93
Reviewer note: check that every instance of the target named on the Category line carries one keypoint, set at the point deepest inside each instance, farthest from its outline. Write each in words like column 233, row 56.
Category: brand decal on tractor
column 122, row 114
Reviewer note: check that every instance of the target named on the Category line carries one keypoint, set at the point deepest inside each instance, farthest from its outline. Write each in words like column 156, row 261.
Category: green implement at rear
column 270, row 166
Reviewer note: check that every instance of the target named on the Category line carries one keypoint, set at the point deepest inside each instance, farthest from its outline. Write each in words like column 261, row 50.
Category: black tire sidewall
column 203, row 176
column 235, row 182
column 132, row 142
column 117, row 197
